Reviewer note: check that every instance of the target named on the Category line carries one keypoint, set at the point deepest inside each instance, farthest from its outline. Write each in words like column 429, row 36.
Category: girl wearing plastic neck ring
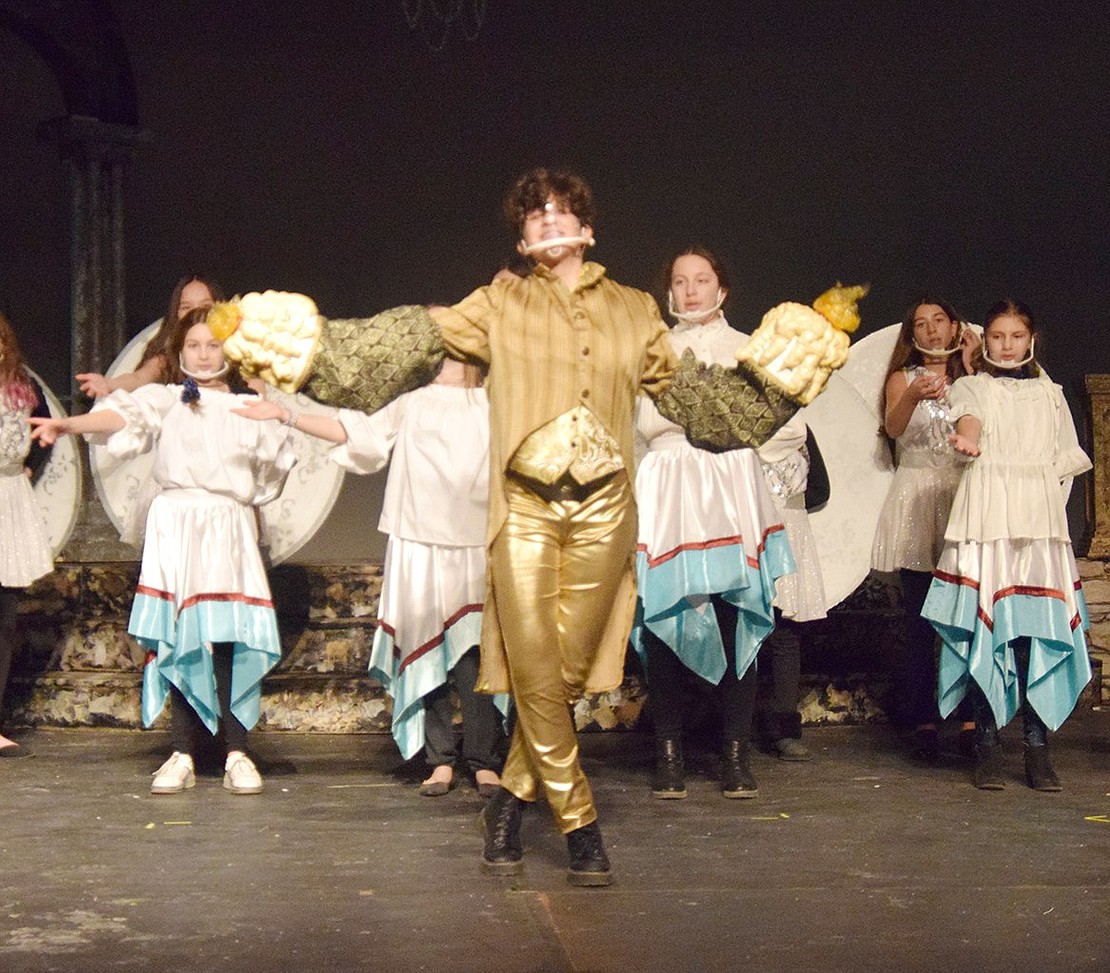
column 710, row 550
column 1006, row 598
column 201, row 357
column 202, row 609
column 696, row 293
column 932, row 351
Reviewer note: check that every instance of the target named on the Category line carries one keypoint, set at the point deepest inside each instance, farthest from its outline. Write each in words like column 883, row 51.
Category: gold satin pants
column 556, row 567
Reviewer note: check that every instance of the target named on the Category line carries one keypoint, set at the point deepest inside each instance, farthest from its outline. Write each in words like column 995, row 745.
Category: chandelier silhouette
column 436, row 18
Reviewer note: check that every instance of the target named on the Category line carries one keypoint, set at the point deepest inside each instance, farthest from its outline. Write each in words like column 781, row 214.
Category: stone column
column 1098, row 494
column 95, row 154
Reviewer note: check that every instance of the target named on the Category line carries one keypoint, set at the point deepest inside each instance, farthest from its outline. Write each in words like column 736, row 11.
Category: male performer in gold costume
column 568, row 350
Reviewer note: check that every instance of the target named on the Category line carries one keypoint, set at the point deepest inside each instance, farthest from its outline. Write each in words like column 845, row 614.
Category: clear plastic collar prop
column 944, row 352
column 559, row 246
column 687, row 317
column 203, row 376
column 1009, row 366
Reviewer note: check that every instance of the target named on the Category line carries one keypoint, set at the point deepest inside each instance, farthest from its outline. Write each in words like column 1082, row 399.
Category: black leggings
column 918, row 682
column 669, row 681
column 782, row 653
column 9, row 598
column 482, row 736
column 986, row 728
column 185, row 724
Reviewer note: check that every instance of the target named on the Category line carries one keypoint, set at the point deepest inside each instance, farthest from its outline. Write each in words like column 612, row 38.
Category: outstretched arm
column 365, row 363
column 723, row 408
column 322, row 427
column 966, row 437
column 49, row 431
column 96, row 386
column 783, row 367
column 359, row 363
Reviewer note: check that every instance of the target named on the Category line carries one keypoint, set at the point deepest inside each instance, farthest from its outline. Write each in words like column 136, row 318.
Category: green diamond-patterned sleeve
column 723, row 408
column 365, row 363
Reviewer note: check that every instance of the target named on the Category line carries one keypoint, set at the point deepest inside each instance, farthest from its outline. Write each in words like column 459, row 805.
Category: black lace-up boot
column 500, row 820
column 589, row 865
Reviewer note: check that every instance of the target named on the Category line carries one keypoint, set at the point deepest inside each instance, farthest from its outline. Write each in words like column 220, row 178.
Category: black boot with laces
column 589, row 865
column 500, row 820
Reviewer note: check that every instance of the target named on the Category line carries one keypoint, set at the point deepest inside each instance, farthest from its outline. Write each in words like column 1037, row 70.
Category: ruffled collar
column 686, row 334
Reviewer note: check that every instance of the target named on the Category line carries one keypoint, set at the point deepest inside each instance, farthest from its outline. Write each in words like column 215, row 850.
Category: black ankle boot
column 589, row 865
column 668, row 781
column 987, row 775
column 1038, row 770
column 500, row 820
column 736, row 775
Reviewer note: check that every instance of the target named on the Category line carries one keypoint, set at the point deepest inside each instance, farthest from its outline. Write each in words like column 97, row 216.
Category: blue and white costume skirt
column 708, row 526
column 982, row 598
column 429, row 616
column 203, row 581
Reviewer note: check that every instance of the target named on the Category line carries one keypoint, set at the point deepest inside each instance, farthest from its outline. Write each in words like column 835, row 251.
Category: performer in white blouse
column 1006, row 597
column 203, row 607
column 430, row 611
column 712, row 545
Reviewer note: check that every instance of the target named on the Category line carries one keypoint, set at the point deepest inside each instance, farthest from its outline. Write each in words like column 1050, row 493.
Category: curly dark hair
column 537, row 186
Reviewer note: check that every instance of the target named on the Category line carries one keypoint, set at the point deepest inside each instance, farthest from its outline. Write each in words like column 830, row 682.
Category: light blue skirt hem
column 179, row 655
column 410, row 685
column 971, row 651
column 674, row 602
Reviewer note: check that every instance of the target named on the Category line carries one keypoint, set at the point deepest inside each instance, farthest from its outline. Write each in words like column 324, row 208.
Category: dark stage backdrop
column 322, row 147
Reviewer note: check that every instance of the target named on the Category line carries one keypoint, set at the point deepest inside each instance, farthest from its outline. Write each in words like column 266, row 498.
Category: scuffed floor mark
column 549, row 950
column 65, row 932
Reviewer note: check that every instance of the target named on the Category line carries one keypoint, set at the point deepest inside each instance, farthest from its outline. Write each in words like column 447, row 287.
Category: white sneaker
column 175, row 775
column 241, row 776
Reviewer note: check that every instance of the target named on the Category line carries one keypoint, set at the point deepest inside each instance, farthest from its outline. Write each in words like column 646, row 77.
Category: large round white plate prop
column 288, row 522
column 845, row 419
column 58, row 490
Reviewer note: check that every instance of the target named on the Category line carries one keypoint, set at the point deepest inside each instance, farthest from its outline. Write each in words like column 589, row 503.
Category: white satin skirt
column 202, row 581
column 707, row 526
column 982, row 598
column 429, row 616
